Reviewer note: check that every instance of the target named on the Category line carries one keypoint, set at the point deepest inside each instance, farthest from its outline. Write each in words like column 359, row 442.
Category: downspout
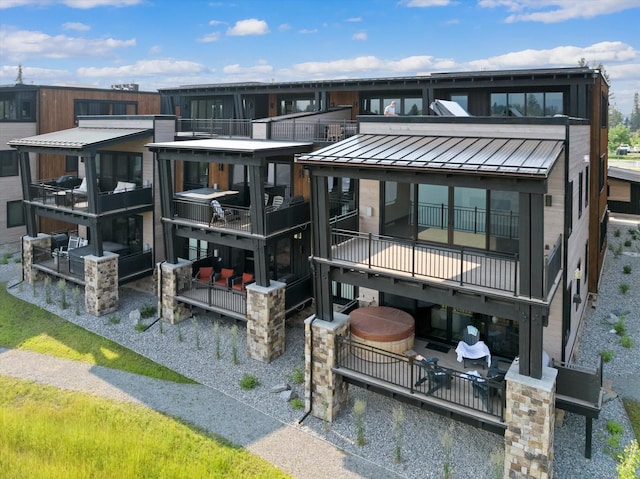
column 159, row 293
column 21, row 263
column 315, row 316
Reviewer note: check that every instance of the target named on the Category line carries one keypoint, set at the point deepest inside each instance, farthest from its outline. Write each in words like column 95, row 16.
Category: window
column 18, row 106
column 104, row 107
column 586, row 187
column 114, row 166
column 70, row 164
column 580, row 178
column 527, row 104
column 462, row 100
column 569, row 214
column 297, row 105
column 9, row 163
column 15, row 214
column 279, row 179
column 405, row 106
column 207, row 108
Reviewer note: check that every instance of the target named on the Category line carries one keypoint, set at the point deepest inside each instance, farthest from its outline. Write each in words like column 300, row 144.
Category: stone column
column 265, row 321
column 174, row 277
column 34, row 250
column 530, row 418
column 326, row 393
column 101, row 283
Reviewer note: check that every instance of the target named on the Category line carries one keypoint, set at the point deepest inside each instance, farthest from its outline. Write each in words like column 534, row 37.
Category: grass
column 248, row 382
column 25, row 326
column 633, row 410
column 75, row 435
column 297, row 376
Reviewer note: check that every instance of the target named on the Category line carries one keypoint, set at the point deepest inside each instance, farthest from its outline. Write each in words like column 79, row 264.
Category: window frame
column 10, row 213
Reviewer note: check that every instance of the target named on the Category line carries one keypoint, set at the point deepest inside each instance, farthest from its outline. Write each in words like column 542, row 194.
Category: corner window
column 527, row 104
column 71, row 164
column 9, row 163
column 15, row 214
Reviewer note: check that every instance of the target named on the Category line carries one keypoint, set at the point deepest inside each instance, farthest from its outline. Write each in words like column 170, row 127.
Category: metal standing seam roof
column 232, row 145
column 513, row 156
column 78, row 138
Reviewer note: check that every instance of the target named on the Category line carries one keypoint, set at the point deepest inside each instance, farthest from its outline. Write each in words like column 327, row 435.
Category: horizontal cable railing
column 461, row 389
column 497, row 271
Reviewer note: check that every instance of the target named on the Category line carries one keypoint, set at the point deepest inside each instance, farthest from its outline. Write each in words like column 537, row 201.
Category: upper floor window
column 9, row 163
column 70, row 164
column 405, row 106
column 207, row 108
column 18, row 106
column 15, row 214
column 527, row 104
column 104, row 107
column 114, row 166
column 287, row 106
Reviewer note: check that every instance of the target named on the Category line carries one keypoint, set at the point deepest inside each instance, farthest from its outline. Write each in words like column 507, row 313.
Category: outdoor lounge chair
column 240, row 283
column 436, row 376
column 204, row 275
column 218, row 213
column 223, row 278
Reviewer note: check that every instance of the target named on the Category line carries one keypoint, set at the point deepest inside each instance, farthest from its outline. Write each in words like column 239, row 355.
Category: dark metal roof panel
column 517, row 156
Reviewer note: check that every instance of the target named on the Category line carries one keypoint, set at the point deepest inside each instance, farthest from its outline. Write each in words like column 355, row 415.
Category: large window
column 405, row 106
column 9, row 163
column 104, row 107
column 125, row 232
column 114, row 166
column 18, row 106
column 290, row 105
column 15, row 214
column 279, row 179
column 207, row 108
column 196, row 175
column 527, row 104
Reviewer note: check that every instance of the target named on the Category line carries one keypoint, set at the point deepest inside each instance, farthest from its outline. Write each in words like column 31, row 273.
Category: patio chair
column 223, row 278
column 240, row 283
column 437, row 376
column 335, row 132
column 204, row 275
column 277, row 201
column 218, row 213
column 74, row 242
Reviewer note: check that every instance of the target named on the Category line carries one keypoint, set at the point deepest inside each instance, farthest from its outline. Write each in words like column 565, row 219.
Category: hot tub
column 383, row 327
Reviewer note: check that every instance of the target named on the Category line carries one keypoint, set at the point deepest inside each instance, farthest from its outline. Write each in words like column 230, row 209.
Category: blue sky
column 165, row 43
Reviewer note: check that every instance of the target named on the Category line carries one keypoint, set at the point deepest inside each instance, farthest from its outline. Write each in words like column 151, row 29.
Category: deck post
column 266, row 321
column 101, row 283
column 326, row 393
column 530, row 418
column 175, row 277
column 29, row 244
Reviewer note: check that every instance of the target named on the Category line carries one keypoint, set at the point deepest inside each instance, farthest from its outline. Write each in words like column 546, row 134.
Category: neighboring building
column 110, row 208
column 623, row 191
column 28, row 110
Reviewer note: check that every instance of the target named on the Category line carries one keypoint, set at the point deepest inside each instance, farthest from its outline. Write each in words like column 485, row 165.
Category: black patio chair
column 436, row 376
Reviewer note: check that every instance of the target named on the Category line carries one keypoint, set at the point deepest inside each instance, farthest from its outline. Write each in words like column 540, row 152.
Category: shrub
column 147, row 311
column 62, row 286
column 248, row 381
column 615, row 430
column 606, row 355
column 624, row 287
column 626, row 341
column 629, row 461
column 47, row 289
column 216, row 338
column 616, row 250
column 297, row 376
column 113, row 319
column 616, row 233
column 398, row 421
column 626, row 269
column 234, row 344
column 619, row 327
column 359, row 409
column 297, row 403
column 627, row 243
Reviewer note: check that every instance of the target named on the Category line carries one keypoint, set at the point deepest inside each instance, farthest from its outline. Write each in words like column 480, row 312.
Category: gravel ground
column 190, row 348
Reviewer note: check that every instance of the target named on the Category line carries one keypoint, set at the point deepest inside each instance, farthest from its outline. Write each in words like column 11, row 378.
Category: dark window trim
column 10, row 223
column 9, row 163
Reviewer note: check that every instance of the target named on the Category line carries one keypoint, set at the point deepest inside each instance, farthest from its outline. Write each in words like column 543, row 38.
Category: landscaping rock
column 134, row 317
column 288, row 395
column 280, row 387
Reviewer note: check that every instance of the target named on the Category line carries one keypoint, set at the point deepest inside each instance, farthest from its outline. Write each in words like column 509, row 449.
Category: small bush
column 615, row 430
column 297, row 403
column 616, row 250
column 626, row 341
column 140, row 327
column 147, row 311
column 614, row 427
column 627, row 243
column 359, row 409
column 629, row 461
column 606, row 355
column 626, row 269
column 113, row 319
column 248, row 381
column 619, row 327
column 624, row 287
column 297, row 376
column 5, row 258
column 616, row 233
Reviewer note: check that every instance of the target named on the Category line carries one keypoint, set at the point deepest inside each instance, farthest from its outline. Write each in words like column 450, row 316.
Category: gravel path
column 190, row 348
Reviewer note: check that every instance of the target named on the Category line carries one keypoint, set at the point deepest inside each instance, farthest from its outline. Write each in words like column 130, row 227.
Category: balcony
column 238, row 218
column 70, row 199
column 214, row 127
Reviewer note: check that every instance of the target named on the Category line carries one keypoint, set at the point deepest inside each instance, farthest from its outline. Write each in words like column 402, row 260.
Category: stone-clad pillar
column 101, row 283
column 34, row 249
column 175, row 277
column 530, row 417
column 326, row 393
column 265, row 321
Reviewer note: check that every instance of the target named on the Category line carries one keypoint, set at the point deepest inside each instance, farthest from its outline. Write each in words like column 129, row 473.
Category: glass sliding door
column 469, row 217
column 433, row 213
column 399, row 207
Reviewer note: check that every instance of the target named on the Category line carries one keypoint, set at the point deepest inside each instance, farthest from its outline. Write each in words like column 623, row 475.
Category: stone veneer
column 101, row 283
column 326, row 393
column 530, row 418
column 175, row 278
column 29, row 243
column 265, row 321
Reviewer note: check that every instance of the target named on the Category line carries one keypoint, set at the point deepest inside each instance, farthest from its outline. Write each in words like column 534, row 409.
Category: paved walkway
column 292, row 449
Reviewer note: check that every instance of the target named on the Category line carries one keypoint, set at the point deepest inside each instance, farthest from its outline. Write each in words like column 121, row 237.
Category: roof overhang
column 78, row 140
column 511, row 157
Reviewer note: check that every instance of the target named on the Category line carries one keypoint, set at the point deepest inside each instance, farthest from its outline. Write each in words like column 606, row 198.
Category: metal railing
column 325, row 130
column 238, row 219
column 473, row 220
column 497, row 271
column 225, row 127
column 134, row 263
column 216, row 296
column 454, row 387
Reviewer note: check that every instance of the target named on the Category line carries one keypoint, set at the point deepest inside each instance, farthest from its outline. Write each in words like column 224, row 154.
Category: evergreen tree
column 634, row 118
column 615, row 116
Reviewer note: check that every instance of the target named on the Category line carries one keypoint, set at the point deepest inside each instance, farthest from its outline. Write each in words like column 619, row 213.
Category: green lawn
column 25, row 326
column 49, row 433
column 633, row 410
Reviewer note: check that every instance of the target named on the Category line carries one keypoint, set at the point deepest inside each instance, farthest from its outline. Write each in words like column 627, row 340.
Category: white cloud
column 77, row 26
column 213, row 23
column 142, row 68
column 426, row 3
column 21, row 44
column 261, row 68
column 209, row 37
column 81, row 4
column 354, row 19
column 284, row 27
column 8, row 74
column 154, row 50
column 364, row 65
column 554, row 11
column 250, row 26
column 359, row 36
column 307, row 31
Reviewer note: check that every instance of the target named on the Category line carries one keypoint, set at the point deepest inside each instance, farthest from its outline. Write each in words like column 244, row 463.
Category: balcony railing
column 456, row 388
column 320, row 131
column 216, row 297
column 214, row 127
column 465, row 267
column 553, row 264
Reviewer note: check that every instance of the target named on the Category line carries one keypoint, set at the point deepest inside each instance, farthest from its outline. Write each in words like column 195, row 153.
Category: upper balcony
column 66, row 197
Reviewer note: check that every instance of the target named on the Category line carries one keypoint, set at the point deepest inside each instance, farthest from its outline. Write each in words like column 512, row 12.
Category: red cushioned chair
column 204, row 275
column 223, row 277
column 241, row 282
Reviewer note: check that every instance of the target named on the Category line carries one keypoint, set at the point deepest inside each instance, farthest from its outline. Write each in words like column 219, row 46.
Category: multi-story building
column 28, row 110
